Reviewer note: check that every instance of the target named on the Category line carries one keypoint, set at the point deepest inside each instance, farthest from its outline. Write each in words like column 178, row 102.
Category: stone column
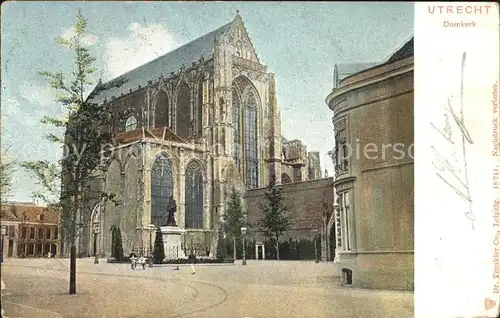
column 207, row 213
column 16, row 240
column 263, row 251
column 144, row 216
column 256, row 251
column 181, row 212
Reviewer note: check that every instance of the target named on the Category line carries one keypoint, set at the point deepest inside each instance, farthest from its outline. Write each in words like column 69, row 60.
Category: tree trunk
column 277, row 249
column 72, row 256
column 72, row 269
column 234, row 248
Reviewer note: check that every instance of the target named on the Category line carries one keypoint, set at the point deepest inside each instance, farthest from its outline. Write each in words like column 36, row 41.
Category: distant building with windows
column 191, row 125
column 374, row 223
column 30, row 230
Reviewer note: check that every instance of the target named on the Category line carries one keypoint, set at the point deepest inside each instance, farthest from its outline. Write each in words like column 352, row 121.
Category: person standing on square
column 192, row 261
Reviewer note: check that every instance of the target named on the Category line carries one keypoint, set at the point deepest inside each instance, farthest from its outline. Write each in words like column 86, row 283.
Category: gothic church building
column 191, row 125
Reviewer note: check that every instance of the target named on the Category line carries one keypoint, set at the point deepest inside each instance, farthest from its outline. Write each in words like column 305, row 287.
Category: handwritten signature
column 458, row 177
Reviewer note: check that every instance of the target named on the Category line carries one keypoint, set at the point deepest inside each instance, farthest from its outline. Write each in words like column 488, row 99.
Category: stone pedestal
column 172, row 241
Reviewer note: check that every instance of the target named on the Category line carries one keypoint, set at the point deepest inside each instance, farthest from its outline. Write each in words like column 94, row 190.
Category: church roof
column 165, row 133
column 130, row 136
column 341, row 71
column 404, row 51
column 162, row 133
column 28, row 212
column 165, row 64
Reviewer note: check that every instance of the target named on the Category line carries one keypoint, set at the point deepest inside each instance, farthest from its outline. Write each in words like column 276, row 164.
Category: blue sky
column 300, row 43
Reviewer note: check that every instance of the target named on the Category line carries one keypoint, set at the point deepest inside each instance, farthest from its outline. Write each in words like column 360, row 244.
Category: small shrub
column 159, row 249
column 117, row 248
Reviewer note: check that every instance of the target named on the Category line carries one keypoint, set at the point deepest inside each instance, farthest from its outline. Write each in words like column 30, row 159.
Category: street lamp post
column 315, row 246
column 151, row 228
column 244, row 233
column 3, row 235
column 96, row 232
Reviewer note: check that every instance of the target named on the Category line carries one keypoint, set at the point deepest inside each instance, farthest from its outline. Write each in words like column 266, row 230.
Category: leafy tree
column 117, row 248
column 221, row 246
column 84, row 133
column 7, row 168
column 234, row 218
column 275, row 220
column 159, row 249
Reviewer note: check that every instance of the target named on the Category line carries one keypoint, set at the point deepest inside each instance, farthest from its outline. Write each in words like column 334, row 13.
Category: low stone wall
column 382, row 270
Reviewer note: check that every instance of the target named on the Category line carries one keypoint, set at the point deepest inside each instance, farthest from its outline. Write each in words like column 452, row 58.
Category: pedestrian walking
column 192, row 261
column 133, row 259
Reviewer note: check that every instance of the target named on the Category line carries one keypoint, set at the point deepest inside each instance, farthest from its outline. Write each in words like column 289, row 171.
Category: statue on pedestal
column 172, row 208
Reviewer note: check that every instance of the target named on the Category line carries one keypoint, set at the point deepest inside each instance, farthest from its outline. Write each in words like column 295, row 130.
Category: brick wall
column 308, row 202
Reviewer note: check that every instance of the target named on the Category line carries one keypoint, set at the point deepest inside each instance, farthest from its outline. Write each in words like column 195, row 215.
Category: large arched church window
column 162, row 110
column 193, row 199
column 236, row 115
column 162, row 188
column 199, row 109
column 250, row 139
column 183, row 110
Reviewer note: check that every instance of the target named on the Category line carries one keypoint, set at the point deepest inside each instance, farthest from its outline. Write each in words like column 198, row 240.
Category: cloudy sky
column 300, row 43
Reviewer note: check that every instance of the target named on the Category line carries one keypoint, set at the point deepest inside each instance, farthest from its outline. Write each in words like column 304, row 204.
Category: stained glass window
column 194, row 196
column 131, row 123
column 183, row 111
column 161, row 189
column 199, row 111
column 250, row 139
column 236, row 110
column 162, row 110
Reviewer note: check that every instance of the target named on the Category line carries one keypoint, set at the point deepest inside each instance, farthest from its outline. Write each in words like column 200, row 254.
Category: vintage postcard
column 457, row 196
column 249, row 159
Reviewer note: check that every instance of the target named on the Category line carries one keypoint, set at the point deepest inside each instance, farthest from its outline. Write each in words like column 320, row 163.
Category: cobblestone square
column 38, row 288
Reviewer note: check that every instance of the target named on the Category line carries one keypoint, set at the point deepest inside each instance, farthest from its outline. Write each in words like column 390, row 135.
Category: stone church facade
column 191, row 125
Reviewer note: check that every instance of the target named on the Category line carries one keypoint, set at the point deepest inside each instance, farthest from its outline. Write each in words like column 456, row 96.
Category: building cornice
column 360, row 80
column 340, row 181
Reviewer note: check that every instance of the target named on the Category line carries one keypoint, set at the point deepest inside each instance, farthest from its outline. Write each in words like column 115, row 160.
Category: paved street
column 38, row 288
